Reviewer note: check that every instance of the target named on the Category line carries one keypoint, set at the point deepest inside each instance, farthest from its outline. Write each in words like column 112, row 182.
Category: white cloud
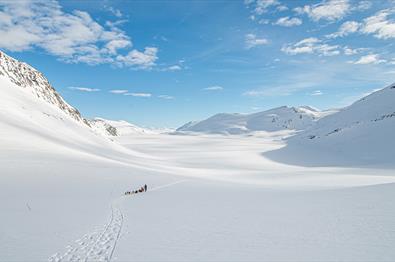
column 173, row 68
column 167, row 97
column 214, row 88
column 73, row 37
column 252, row 41
column 369, row 59
column 264, row 21
column 363, row 5
column 316, row 93
column 139, row 59
column 139, row 94
column 353, row 51
column 84, row 89
column 287, row 21
column 114, row 45
column 119, row 91
column 380, row 25
column 329, row 10
column 309, row 46
column 282, row 8
column 350, row 51
column 279, row 90
column 115, row 11
column 346, row 29
column 261, row 6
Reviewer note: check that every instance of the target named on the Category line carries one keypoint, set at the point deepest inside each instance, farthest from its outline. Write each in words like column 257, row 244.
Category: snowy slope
column 25, row 77
column 122, row 128
column 117, row 128
column 360, row 134
column 33, row 82
column 101, row 127
column 35, row 118
column 281, row 118
column 61, row 195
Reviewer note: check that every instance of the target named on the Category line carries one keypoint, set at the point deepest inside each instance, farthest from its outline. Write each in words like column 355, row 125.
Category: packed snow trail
column 100, row 245
column 166, row 185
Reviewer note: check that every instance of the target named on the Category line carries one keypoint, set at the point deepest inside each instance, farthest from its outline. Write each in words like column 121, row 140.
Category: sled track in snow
column 101, row 243
column 166, row 185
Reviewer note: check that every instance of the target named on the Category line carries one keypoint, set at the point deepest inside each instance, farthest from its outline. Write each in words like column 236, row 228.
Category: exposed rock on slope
column 33, row 81
column 118, row 128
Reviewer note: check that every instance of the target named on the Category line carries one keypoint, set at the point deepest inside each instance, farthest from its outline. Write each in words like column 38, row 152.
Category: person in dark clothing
column 145, row 188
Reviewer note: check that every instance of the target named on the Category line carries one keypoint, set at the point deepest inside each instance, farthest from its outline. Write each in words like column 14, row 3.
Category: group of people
column 140, row 190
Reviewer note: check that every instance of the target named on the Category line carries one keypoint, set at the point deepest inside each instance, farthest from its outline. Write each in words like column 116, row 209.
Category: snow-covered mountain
column 101, row 127
column 292, row 118
column 117, row 128
column 25, row 77
column 362, row 133
column 366, row 112
column 35, row 121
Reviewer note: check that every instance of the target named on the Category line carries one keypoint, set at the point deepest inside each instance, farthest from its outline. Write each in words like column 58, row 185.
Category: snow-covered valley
column 217, row 203
column 210, row 196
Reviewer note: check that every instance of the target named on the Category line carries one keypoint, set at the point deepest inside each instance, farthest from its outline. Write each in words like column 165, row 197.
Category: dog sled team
column 140, row 190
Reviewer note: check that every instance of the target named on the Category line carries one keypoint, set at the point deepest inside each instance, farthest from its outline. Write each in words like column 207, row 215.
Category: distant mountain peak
column 279, row 118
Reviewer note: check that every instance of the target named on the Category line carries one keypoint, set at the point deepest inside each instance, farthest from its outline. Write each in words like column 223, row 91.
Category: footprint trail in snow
column 101, row 243
column 96, row 246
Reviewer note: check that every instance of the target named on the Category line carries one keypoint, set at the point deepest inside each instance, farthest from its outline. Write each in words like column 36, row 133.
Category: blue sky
column 163, row 63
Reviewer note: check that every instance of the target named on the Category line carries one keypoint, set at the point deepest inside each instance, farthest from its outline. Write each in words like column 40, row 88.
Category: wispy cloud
column 320, row 74
column 172, row 68
column 369, row 59
column 260, row 6
column 118, row 91
column 311, row 45
column 167, row 97
column 139, row 59
column 346, row 29
column 288, row 22
column 316, row 93
column 84, row 89
column 214, row 88
column 329, row 10
column 251, row 40
column 285, row 88
column 114, row 11
column 282, row 8
column 353, row 51
column 139, row 94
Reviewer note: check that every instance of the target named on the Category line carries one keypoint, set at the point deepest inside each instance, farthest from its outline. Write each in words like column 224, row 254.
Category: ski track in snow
column 100, row 244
